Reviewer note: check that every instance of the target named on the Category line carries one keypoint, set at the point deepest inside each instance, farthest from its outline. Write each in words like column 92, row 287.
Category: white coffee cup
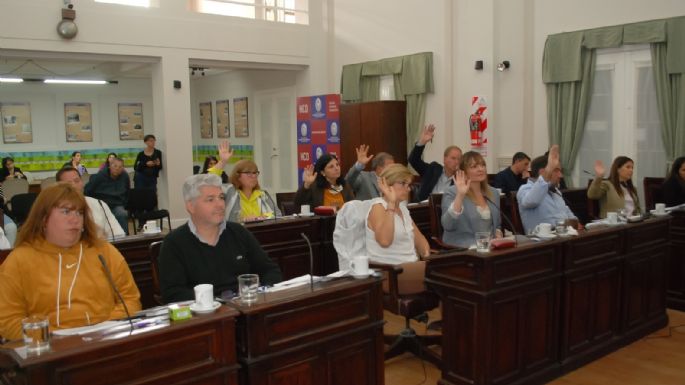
column 660, row 208
column 612, row 217
column 305, row 210
column 150, row 226
column 204, row 295
column 543, row 229
column 360, row 265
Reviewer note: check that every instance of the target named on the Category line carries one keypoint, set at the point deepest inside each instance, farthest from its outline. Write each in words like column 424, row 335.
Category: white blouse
column 402, row 249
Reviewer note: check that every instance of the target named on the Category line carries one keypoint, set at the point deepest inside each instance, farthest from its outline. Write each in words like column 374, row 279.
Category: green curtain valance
column 415, row 74
column 561, row 58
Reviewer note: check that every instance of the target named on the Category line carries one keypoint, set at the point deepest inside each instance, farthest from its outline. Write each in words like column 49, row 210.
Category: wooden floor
column 657, row 359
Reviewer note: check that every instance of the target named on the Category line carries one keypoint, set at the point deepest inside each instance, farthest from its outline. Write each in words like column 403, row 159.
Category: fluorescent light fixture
column 73, row 81
column 135, row 3
column 11, row 80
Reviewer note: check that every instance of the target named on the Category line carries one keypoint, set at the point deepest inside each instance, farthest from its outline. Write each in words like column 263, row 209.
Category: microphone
column 311, row 261
column 111, row 282
column 588, row 172
column 506, row 219
column 111, row 230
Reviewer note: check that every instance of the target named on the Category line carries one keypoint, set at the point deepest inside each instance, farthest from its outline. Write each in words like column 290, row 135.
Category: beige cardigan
column 608, row 197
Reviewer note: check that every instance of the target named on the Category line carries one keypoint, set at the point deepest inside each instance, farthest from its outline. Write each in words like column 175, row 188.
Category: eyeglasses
column 250, row 173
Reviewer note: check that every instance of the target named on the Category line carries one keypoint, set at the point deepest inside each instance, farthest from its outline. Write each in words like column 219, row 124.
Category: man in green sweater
column 208, row 249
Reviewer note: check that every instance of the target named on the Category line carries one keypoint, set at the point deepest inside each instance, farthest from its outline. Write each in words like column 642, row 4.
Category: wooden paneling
column 528, row 314
column 676, row 262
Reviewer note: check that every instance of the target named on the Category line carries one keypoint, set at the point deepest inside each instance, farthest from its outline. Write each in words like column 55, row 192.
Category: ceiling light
column 73, row 81
column 11, row 80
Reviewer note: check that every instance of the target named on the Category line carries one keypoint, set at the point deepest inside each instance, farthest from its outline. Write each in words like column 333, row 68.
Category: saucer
column 306, row 215
column 195, row 309
column 152, row 232
column 653, row 212
column 362, row 276
column 545, row 236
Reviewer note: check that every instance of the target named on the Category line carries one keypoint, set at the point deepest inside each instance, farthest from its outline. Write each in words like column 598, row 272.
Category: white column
column 173, row 131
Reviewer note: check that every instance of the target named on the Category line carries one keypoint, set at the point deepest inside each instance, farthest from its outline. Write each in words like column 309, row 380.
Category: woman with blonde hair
column 618, row 192
column 56, row 268
column 245, row 200
column 470, row 205
column 391, row 234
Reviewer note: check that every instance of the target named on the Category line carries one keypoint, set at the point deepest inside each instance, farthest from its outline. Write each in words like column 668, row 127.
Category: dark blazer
column 673, row 192
column 4, row 173
column 430, row 172
column 313, row 195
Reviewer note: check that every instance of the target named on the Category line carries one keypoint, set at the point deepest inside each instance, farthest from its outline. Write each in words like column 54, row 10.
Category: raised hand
column 599, row 169
column 362, row 154
column 388, row 192
column 553, row 162
column 225, row 151
column 427, row 134
column 309, row 176
column 461, row 182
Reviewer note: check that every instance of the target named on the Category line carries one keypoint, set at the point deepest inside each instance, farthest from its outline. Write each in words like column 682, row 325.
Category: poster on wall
column 318, row 129
column 206, row 120
column 78, row 122
column 222, row 119
column 131, row 121
column 240, row 124
column 478, row 125
column 16, row 122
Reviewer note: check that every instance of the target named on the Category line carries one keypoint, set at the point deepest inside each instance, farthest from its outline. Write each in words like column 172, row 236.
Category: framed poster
column 240, row 125
column 222, row 119
column 16, row 122
column 131, row 121
column 78, row 122
column 206, row 120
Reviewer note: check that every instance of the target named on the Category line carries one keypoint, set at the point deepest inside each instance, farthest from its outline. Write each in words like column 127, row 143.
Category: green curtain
column 670, row 101
column 412, row 78
column 567, row 107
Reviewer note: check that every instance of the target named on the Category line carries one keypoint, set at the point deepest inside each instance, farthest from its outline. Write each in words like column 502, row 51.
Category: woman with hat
column 322, row 184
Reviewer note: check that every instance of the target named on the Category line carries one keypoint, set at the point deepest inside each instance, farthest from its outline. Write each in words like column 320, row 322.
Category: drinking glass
column 483, row 241
column 36, row 333
column 247, row 286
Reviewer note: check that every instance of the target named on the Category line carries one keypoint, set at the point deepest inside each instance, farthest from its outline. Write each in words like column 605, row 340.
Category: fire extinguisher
column 475, row 122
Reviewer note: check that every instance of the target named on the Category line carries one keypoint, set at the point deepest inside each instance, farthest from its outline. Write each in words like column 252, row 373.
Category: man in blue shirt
column 540, row 199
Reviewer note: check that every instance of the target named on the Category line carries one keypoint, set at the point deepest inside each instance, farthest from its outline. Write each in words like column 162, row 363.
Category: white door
column 276, row 147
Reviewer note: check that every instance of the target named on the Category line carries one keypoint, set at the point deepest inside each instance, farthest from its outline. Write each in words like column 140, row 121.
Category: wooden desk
column 197, row 351
column 528, row 314
column 331, row 335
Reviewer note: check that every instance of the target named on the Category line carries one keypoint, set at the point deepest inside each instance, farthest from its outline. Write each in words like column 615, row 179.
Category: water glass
column 247, row 286
column 36, row 334
column 561, row 227
column 483, row 241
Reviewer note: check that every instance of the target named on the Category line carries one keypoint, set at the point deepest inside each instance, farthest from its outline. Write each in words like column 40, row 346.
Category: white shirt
column 629, row 203
column 402, row 249
column 104, row 219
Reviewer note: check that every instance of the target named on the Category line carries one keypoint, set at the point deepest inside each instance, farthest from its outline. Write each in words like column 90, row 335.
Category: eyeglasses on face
column 250, row 173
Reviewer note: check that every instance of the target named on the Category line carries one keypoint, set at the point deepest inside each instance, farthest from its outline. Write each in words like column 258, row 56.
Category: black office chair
column 286, row 203
column 153, row 254
column 142, row 207
column 20, row 206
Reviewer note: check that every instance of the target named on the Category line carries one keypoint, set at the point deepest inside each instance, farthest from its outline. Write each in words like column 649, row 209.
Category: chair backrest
column 14, row 186
column 435, row 212
column 196, row 169
column 286, row 202
column 349, row 236
column 141, row 200
column 153, row 254
column 514, row 213
column 47, row 182
column 592, row 205
column 20, row 206
column 653, row 194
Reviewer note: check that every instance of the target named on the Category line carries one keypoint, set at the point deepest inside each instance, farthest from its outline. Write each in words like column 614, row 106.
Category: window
column 623, row 118
column 282, row 11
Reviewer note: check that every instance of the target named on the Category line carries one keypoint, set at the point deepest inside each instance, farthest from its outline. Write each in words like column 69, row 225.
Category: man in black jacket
column 209, row 249
column 514, row 176
column 435, row 178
